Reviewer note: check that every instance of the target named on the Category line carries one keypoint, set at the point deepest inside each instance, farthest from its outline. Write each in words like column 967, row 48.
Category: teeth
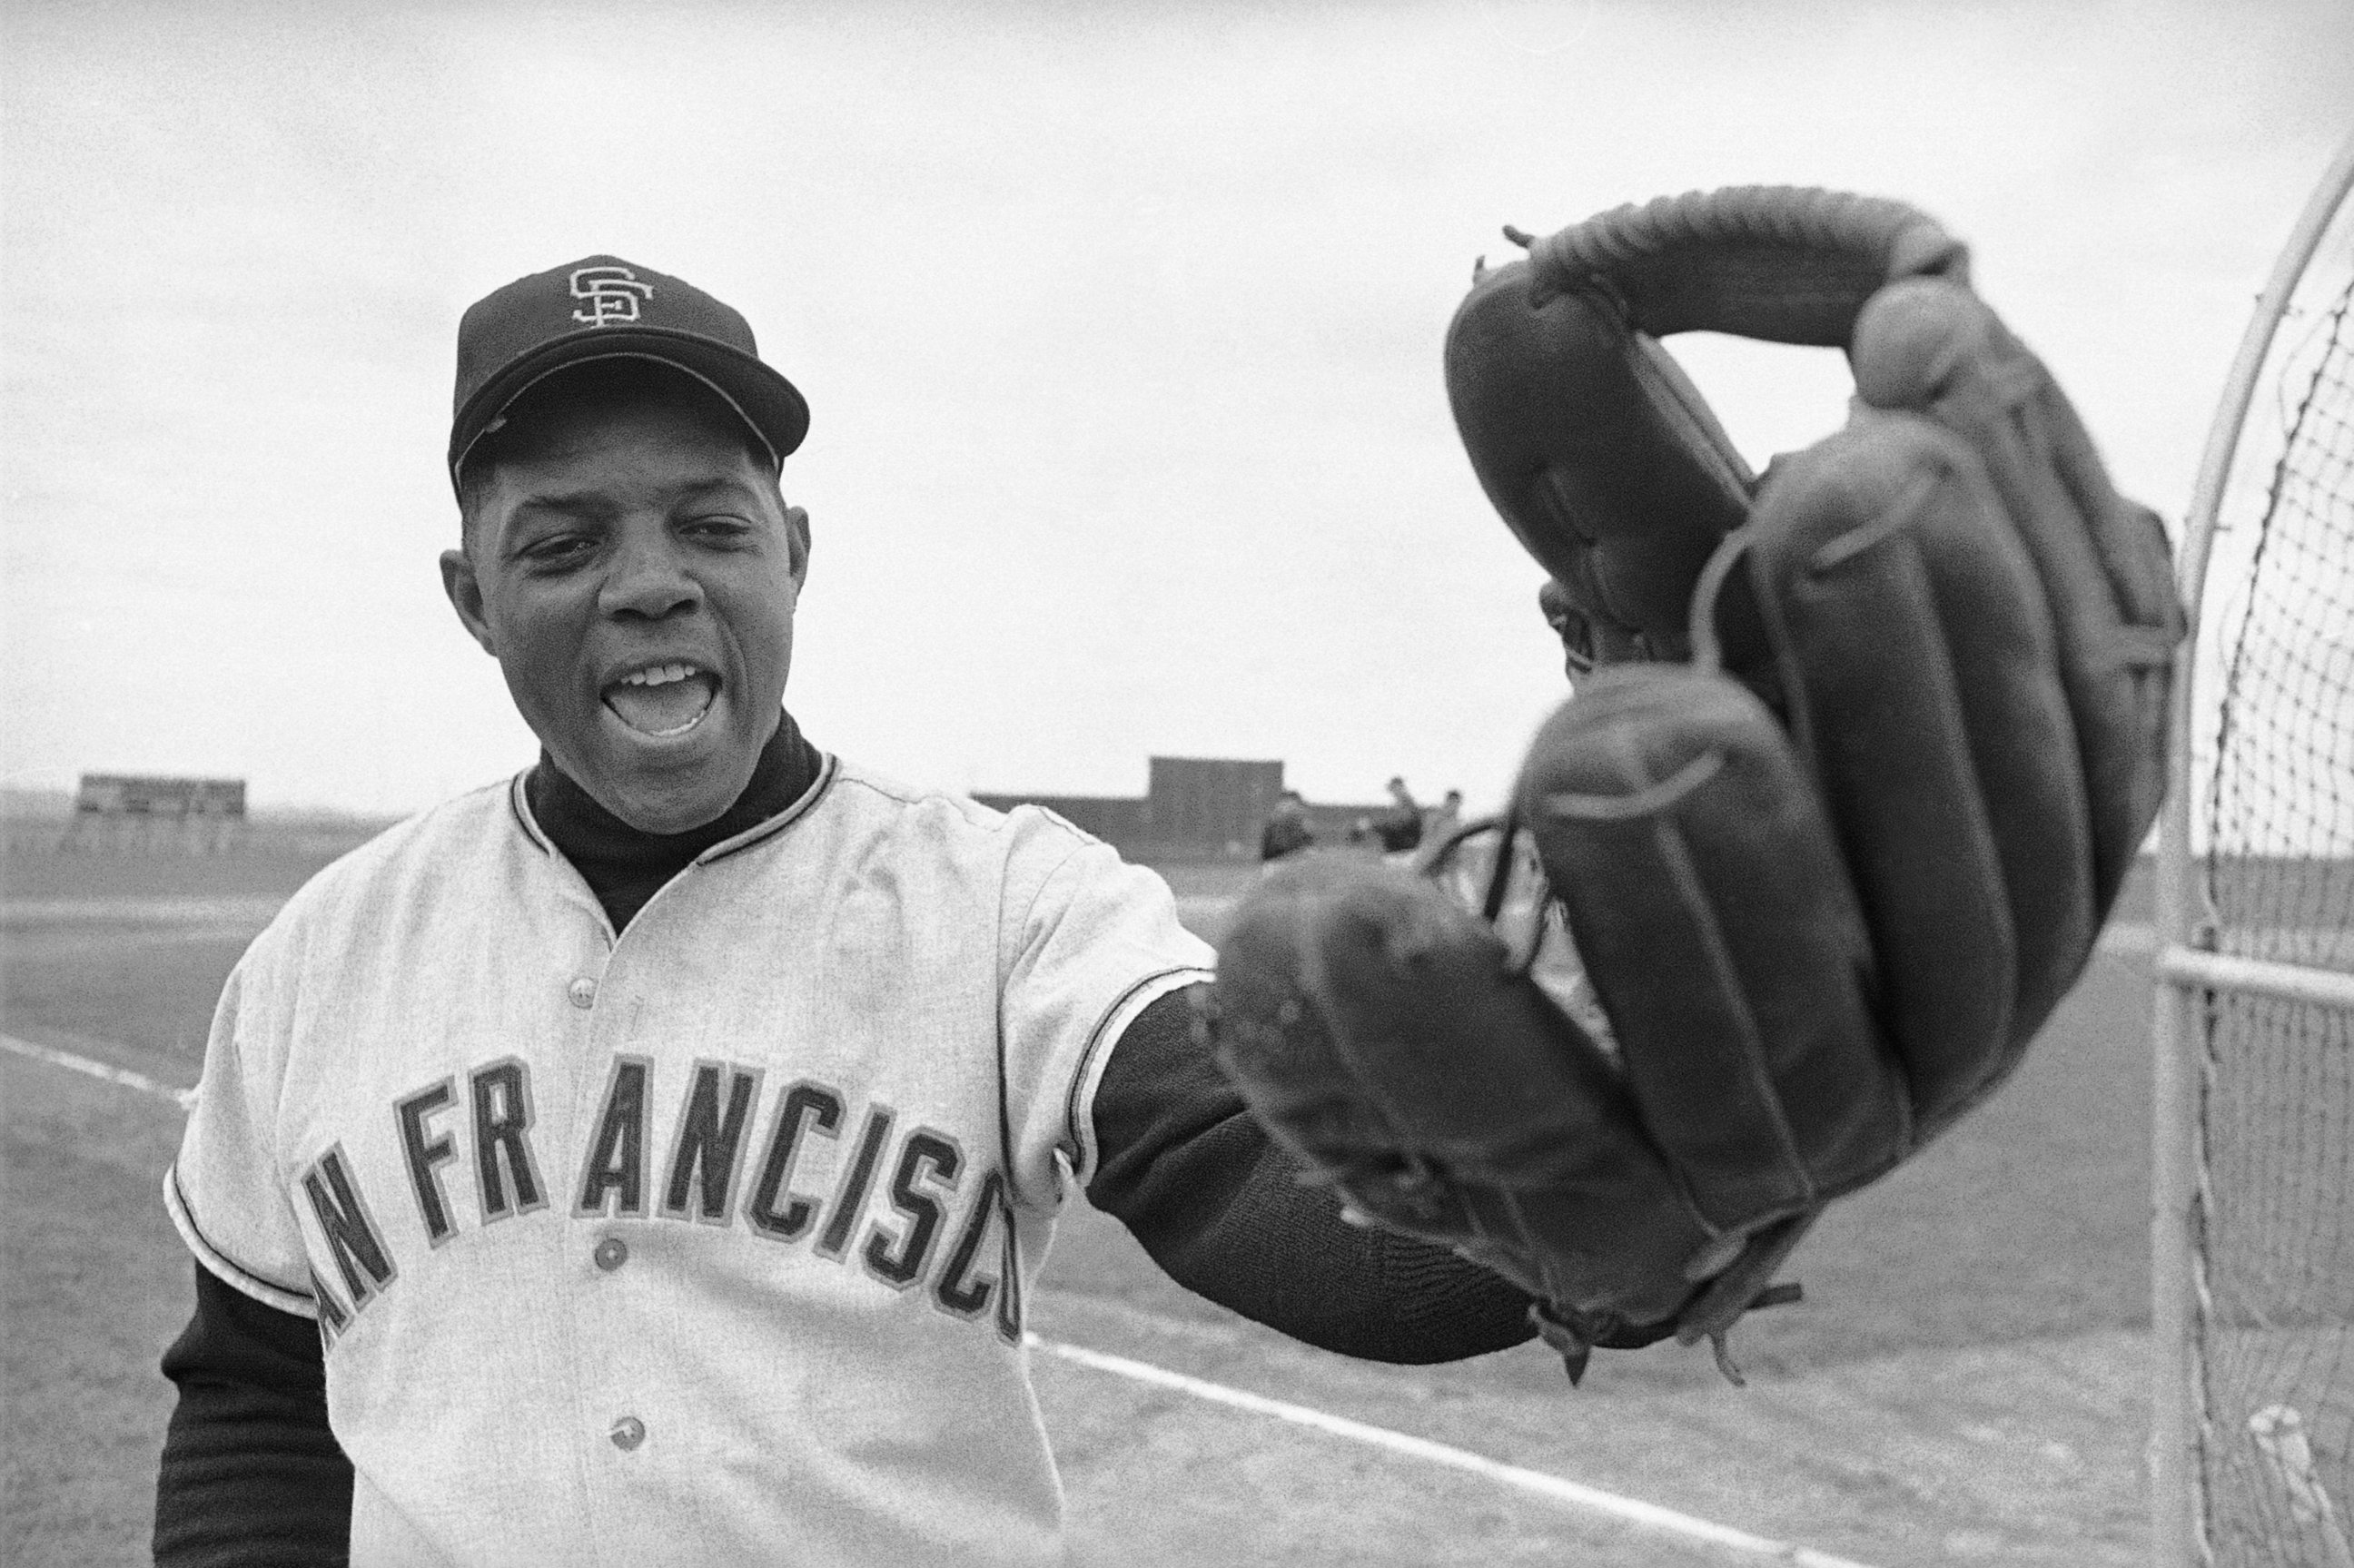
column 658, row 675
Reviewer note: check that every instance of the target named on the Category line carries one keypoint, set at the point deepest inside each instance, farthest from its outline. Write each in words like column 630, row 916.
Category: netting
column 2275, row 1203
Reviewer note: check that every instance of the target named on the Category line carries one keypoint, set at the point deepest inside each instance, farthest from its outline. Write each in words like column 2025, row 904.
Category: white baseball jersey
column 706, row 1244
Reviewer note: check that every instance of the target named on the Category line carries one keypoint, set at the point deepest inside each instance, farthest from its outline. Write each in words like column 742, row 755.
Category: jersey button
column 583, row 993
column 611, row 1253
column 627, row 1432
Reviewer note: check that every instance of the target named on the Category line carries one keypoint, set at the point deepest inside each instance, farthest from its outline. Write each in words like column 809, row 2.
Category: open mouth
column 663, row 700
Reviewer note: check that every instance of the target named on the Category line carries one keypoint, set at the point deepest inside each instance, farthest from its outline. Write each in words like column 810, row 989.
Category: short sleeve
column 1091, row 941
column 223, row 1190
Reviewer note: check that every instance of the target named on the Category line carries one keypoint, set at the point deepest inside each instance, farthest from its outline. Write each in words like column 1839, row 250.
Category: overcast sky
column 1120, row 326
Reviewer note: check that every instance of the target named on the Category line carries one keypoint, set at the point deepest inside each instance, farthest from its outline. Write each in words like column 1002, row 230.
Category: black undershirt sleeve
column 251, row 1473
column 1219, row 1206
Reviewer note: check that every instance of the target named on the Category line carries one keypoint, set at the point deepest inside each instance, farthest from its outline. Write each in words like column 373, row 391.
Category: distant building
column 1215, row 804
column 129, row 811
column 1194, row 808
column 135, row 795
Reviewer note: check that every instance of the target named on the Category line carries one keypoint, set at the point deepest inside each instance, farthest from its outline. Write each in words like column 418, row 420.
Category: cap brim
column 770, row 404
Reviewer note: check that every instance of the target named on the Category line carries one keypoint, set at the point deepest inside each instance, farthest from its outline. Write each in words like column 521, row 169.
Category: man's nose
column 648, row 581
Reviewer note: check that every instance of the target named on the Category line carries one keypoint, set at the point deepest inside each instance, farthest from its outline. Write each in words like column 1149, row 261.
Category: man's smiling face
column 631, row 566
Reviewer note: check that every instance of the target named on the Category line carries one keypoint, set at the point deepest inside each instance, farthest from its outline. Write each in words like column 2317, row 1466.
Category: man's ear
column 465, row 591
column 797, row 525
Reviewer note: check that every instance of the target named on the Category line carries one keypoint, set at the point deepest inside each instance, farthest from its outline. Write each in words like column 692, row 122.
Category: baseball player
column 647, row 1159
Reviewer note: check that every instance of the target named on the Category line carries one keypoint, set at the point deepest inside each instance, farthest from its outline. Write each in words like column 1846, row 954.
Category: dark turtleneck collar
column 623, row 866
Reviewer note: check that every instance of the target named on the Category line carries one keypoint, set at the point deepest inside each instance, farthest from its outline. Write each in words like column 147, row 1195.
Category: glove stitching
column 1692, row 894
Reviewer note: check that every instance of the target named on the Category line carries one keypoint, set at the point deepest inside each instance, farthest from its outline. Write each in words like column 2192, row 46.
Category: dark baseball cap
column 602, row 307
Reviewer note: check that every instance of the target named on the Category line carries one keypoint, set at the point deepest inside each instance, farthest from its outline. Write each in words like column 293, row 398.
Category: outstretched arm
column 1219, row 1206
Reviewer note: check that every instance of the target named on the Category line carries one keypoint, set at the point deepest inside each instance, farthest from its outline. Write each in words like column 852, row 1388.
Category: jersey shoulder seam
column 981, row 818
column 376, row 855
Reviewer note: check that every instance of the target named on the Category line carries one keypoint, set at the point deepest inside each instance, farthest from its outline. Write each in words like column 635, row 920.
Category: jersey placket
column 620, row 1445
column 591, row 1037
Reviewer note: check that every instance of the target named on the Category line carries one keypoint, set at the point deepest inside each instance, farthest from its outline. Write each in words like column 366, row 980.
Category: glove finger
column 1599, row 453
column 2104, row 562
column 1705, row 893
column 1922, row 683
column 1378, row 1031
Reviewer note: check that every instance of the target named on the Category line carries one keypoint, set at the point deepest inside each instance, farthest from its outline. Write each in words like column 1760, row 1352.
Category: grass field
column 1964, row 1381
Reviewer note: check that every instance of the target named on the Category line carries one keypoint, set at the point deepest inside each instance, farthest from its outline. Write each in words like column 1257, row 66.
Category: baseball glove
column 1867, row 746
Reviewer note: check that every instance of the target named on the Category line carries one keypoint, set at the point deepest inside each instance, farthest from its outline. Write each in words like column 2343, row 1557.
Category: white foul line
column 184, row 1099
column 1650, row 1515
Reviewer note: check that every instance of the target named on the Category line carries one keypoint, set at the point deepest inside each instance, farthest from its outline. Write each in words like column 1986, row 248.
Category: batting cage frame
column 2252, row 1289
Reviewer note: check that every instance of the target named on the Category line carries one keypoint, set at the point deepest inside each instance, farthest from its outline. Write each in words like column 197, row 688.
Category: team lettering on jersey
column 907, row 1207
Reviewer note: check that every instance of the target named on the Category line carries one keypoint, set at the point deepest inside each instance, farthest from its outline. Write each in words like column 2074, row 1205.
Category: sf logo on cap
column 612, row 293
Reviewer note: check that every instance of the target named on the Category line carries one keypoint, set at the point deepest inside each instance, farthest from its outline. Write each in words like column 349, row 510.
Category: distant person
column 1286, row 832
column 1444, row 818
column 1441, row 824
column 1400, row 827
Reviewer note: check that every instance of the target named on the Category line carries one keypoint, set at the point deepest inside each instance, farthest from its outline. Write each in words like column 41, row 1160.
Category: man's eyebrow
column 572, row 502
column 697, row 488
column 593, row 505
column 594, row 502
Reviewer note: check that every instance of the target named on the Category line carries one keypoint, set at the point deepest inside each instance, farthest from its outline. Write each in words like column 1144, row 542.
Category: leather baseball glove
column 1866, row 748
